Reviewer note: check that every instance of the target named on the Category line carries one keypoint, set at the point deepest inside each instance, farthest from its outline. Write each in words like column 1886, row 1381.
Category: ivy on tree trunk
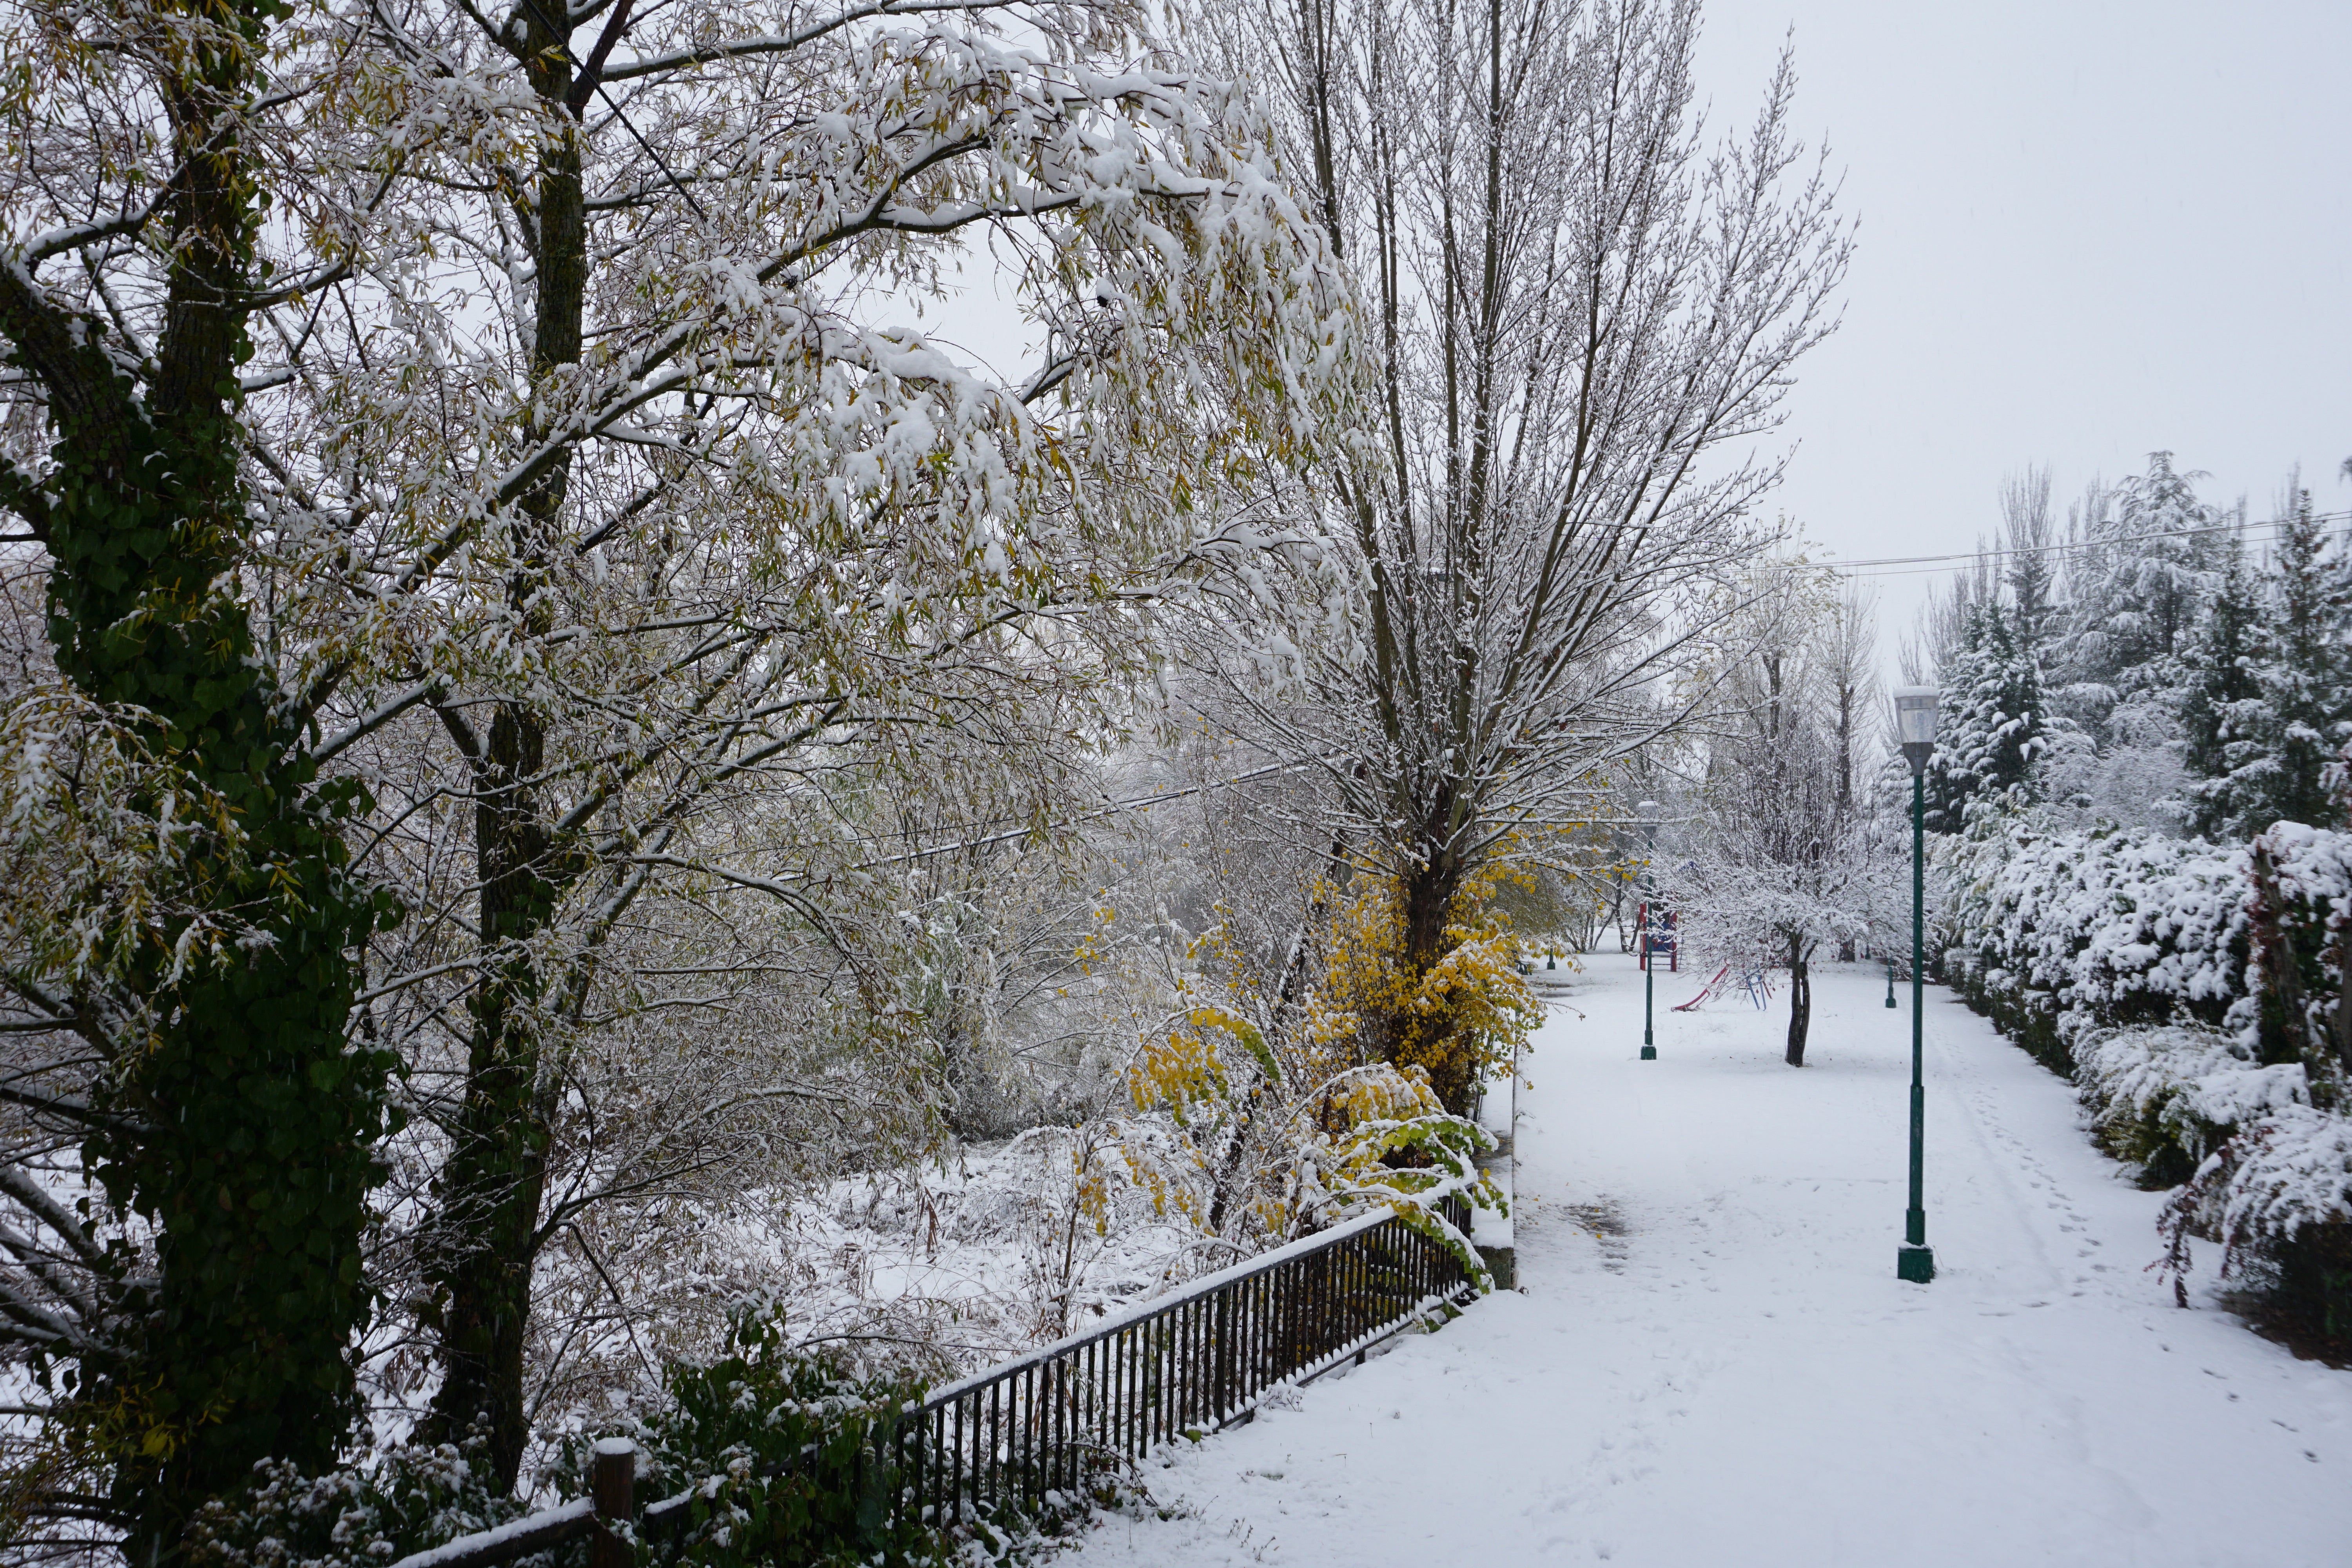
column 230, row 1112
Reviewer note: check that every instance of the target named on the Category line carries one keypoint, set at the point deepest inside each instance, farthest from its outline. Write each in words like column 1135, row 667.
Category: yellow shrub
column 1456, row 1020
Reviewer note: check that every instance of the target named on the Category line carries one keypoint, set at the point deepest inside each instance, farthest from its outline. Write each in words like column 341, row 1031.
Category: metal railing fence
column 1194, row 1360
column 1046, row 1423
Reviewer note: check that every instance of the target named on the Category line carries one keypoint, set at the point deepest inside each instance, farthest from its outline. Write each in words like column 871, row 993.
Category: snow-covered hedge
column 2283, row 1172
column 2299, row 907
column 2194, row 994
column 2278, row 1196
column 2056, row 933
column 2164, row 1095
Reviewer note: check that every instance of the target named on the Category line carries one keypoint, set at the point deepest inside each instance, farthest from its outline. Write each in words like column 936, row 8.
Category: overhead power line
column 1964, row 558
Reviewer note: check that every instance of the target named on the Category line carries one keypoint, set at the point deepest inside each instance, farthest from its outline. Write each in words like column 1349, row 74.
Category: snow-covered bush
column 2299, row 913
column 2051, row 932
column 2278, row 1198
column 2164, row 1095
column 403, row 1500
column 2197, row 995
column 1281, row 1098
column 2198, row 990
column 779, row 1449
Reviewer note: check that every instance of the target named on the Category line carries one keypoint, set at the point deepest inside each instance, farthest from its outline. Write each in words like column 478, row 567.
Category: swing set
column 1664, row 939
column 1755, row 981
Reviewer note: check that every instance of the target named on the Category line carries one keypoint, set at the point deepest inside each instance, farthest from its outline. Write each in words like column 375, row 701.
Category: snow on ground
column 975, row 1261
column 1713, row 1362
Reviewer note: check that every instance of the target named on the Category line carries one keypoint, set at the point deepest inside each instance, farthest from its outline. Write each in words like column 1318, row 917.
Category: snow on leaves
column 2196, row 992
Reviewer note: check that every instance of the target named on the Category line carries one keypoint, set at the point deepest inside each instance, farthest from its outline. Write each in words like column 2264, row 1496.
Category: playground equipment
column 1754, row 978
column 1665, row 938
column 1705, row 992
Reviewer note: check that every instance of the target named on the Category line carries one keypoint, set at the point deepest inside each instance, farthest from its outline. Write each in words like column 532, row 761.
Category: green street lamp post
column 1649, row 826
column 1915, row 726
column 1890, row 983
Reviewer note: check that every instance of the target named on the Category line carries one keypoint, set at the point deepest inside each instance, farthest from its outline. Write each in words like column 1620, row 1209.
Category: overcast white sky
column 2089, row 229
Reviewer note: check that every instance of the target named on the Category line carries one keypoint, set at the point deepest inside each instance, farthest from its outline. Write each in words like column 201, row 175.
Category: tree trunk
column 1433, row 1040
column 486, row 1234
column 1800, row 1000
column 2282, row 1029
column 2343, row 1029
column 240, row 1127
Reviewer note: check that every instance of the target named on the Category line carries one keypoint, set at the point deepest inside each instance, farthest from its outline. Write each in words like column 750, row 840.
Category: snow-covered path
column 1713, row 1362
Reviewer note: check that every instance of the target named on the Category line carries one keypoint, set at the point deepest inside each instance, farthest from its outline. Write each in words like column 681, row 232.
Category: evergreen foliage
column 780, row 1447
column 2139, row 579
column 2197, row 995
column 2220, row 691
column 1995, row 720
column 2195, row 987
column 2270, row 699
column 2174, row 674
column 362, row 1516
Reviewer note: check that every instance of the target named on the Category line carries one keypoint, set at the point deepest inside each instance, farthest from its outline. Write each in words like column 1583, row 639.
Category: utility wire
column 1970, row 557
column 2099, row 543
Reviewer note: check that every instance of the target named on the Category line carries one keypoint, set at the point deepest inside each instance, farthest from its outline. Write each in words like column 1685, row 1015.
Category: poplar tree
column 1582, row 314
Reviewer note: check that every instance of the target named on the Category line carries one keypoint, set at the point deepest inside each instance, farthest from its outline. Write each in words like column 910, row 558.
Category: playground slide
column 1705, row 991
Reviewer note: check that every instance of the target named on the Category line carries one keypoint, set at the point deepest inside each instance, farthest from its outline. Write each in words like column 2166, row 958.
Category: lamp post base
column 1917, row 1264
column 1649, row 1053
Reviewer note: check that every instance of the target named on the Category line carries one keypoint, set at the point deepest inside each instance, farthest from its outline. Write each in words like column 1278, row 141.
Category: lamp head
column 1915, row 725
column 1646, row 817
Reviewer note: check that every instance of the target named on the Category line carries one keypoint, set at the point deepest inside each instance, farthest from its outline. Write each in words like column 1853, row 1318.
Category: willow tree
column 1584, row 313
column 518, row 422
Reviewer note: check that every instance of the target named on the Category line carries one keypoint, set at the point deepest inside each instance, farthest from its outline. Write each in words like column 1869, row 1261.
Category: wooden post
column 611, row 1478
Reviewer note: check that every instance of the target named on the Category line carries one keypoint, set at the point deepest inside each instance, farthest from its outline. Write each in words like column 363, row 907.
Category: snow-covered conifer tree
column 2141, row 565
column 2271, row 702
column 2031, row 572
column 2220, row 699
column 1994, row 723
